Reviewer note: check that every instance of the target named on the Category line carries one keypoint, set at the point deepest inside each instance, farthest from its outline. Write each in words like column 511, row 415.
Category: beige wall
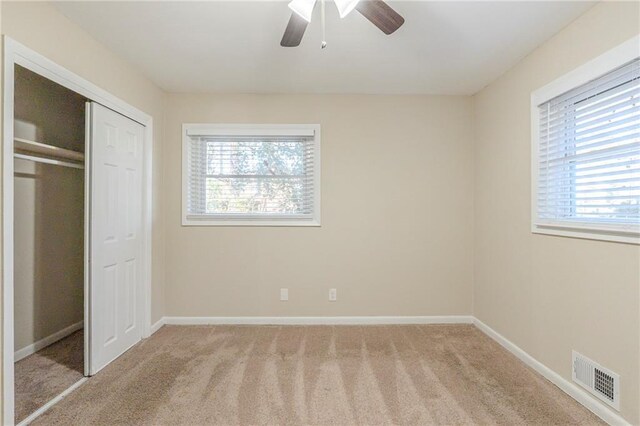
column 49, row 254
column 41, row 27
column 549, row 294
column 397, row 213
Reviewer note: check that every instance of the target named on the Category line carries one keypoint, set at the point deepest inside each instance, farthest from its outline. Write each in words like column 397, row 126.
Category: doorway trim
column 17, row 54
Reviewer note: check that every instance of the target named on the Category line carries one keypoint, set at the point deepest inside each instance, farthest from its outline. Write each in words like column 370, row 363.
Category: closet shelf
column 24, row 146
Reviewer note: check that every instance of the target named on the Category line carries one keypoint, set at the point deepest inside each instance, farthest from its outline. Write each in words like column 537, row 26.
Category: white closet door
column 116, row 243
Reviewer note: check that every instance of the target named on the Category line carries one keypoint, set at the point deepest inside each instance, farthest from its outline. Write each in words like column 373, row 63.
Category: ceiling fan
column 377, row 11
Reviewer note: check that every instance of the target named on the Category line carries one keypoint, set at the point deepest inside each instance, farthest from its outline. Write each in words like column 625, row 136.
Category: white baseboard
column 565, row 385
column 157, row 326
column 445, row 319
column 43, row 343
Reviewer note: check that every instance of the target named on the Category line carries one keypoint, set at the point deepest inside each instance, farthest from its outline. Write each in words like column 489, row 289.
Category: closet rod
column 48, row 161
column 32, row 147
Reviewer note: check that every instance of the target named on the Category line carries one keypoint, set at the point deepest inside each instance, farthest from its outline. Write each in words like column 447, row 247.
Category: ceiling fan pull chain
column 324, row 42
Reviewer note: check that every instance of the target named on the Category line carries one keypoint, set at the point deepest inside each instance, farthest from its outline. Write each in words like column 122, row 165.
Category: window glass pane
column 251, row 176
column 255, row 158
column 589, row 151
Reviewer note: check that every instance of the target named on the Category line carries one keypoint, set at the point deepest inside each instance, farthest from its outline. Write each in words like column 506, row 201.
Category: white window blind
column 269, row 175
column 589, row 154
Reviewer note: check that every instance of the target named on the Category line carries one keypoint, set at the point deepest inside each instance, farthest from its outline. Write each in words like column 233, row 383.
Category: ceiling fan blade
column 294, row 31
column 381, row 15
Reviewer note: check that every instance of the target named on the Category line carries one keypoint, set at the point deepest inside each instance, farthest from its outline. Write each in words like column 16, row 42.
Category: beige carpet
column 433, row 374
column 47, row 373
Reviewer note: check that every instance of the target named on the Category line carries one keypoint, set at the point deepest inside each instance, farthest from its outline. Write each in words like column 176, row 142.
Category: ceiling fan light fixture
column 304, row 8
column 345, row 6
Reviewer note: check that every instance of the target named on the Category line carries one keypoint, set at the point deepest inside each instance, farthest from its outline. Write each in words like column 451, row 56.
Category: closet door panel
column 110, row 200
column 116, row 247
column 109, row 295
column 130, row 284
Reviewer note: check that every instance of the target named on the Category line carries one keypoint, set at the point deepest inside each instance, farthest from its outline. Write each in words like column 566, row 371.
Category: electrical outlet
column 333, row 295
column 284, row 294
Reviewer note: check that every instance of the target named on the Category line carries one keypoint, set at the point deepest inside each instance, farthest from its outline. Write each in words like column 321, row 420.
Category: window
column 260, row 175
column 586, row 170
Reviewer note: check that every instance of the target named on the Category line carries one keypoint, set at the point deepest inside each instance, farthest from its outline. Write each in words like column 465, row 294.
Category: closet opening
column 49, row 240
column 76, row 240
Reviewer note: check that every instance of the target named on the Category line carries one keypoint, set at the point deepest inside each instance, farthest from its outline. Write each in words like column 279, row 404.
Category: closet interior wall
column 49, row 212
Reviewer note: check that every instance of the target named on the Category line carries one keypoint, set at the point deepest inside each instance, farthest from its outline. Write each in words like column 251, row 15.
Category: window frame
column 191, row 129
column 601, row 65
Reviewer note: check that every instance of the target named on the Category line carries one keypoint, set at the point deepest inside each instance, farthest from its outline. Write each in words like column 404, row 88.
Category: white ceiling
column 234, row 46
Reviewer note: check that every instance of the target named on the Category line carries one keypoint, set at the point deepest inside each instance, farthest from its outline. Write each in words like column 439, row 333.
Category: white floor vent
column 602, row 382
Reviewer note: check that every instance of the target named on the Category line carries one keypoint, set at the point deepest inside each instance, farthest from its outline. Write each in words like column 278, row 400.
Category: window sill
column 284, row 222
column 567, row 230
